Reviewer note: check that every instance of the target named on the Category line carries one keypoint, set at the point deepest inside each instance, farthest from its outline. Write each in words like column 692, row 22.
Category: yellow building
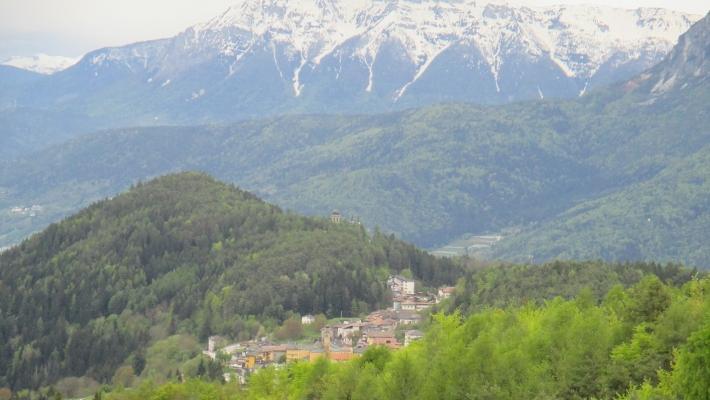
column 251, row 362
column 311, row 355
column 298, row 355
column 273, row 353
column 315, row 355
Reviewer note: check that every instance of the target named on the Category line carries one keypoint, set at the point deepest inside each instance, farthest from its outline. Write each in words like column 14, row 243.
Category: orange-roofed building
column 385, row 338
column 344, row 355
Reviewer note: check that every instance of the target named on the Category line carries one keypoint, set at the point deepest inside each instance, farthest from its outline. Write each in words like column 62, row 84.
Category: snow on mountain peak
column 579, row 39
column 490, row 51
column 41, row 63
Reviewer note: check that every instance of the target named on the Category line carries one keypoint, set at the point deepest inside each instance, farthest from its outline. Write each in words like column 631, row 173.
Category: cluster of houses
column 342, row 341
column 246, row 357
column 406, row 297
column 377, row 329
column 32, row 211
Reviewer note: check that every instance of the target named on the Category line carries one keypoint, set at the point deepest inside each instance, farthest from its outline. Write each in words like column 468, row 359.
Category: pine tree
column 139, row 363
column 201, row 370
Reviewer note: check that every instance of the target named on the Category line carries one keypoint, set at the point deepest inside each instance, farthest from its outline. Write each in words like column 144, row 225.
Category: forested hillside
column 663, row 218
column 668, row 212
column 182, row 253
column 430, row 175
column 512, row 285
column 651, row 341
column 259, row 59
column 23, row 129
column 131, row 284
column 619, row 174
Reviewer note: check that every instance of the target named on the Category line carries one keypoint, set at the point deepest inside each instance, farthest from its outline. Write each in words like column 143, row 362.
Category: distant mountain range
column 621, row 173
column 339, row 55
column 262, row 58
column 40, row 63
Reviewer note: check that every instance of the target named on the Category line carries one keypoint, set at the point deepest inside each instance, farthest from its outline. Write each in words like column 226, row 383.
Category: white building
column 336, row 217
column 308, row 319
column 445, row 292
column 413, row 305
column 214, row 343
column 400, row 284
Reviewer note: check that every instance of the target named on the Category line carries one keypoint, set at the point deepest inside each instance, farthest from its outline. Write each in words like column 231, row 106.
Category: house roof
column 417, row 302
column 349, row 325
column 380, row 334
column 406, row 314
column 340, row 349
column 275, row 348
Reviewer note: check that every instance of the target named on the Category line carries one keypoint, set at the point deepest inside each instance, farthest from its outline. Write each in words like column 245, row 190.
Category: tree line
column 649, row 341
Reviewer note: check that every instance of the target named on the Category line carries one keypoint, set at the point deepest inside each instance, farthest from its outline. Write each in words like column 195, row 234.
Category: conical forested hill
column 187, row 253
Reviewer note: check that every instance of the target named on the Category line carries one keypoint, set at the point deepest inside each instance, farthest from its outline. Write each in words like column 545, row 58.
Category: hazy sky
column 74, row 27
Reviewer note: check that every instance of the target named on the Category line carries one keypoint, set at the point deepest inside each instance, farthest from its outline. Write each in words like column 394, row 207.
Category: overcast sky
column 74, row 27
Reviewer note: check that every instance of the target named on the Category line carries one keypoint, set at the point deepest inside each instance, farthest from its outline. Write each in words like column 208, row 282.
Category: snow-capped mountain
column 578, row 40
column 41, row 63
column 273, row 56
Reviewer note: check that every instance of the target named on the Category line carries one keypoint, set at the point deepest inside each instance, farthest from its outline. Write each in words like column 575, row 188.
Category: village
column 31, row 211
column 394, row 327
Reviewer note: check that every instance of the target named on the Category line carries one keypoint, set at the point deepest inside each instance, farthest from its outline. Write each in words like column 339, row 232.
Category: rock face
column 687, row 64
column 276, row 56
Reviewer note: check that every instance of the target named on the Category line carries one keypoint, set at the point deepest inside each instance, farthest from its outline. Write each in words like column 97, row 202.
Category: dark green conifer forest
column 190, row 255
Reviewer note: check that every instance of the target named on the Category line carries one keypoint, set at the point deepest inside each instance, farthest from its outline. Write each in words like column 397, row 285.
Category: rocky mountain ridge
column 274, row 57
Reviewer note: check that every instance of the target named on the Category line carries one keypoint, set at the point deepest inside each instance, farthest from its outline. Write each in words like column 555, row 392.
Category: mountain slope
column 430, row 174
column 12, row 82
column 182, row 252
column 393, row 170
column 664, row 218
column 27, row 130
column 687, row 64
column 667, row 216
column 273, row 57
column 12, row 78
column 24, row 130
